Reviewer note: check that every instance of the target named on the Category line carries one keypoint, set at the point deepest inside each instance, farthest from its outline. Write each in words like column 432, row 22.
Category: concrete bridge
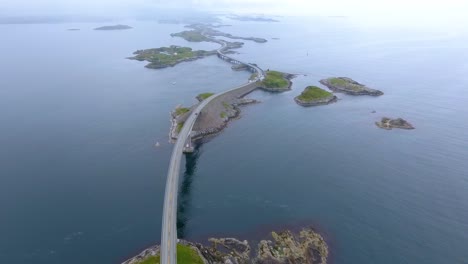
column 183, row 144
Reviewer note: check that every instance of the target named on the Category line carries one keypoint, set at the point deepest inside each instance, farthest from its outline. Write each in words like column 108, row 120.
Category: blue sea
column 81, row 180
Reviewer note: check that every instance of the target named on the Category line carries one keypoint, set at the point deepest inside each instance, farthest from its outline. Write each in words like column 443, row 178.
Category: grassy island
column 191, row 35
column 275, row 79
column 185, row 255
column 168, row 56
column 313, row 95
column 203, row 96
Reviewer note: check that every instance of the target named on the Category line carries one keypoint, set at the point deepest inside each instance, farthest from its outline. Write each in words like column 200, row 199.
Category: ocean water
column 82, row 182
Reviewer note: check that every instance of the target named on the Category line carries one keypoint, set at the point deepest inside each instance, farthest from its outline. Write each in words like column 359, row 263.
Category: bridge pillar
column 188, row 147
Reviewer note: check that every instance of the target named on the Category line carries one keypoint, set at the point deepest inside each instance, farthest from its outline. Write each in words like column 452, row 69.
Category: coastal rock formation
column 388, row 123
column 349, row 86
column 313, row 96
column 285, row 247
column 308, row 247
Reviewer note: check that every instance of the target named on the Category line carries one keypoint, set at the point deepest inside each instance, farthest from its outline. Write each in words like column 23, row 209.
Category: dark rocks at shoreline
column 114, row 27
column 349, row 86
column 283, row 247
column 388, row 123
column 317, row 102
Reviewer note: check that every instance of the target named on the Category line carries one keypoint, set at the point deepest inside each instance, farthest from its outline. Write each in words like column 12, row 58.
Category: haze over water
column 81, row 180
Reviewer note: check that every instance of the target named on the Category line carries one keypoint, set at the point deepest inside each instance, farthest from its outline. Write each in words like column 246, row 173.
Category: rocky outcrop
column 322, row 101
column 388, row 123
column 285, row 247
column 349, row 86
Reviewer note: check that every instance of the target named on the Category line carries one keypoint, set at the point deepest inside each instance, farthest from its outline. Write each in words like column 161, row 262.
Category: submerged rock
column 388, row 123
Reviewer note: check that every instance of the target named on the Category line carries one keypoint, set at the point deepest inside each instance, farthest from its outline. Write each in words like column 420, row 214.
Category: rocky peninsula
column 219, row 112
column 114, row 27
column 313, row 96
column 216, row 115
column 349, row 86
column 388, row 123
column 285, row 247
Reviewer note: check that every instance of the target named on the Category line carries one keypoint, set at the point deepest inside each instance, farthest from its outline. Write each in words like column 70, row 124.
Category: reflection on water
column 184, row 199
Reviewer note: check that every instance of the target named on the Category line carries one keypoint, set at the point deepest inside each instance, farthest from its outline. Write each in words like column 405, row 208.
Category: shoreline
column 305, row 245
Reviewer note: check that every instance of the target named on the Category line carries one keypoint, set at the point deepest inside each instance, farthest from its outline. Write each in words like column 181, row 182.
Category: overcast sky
column 433, row 9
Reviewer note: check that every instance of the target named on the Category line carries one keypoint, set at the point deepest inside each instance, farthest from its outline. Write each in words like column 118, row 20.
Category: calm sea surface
column 81, row 180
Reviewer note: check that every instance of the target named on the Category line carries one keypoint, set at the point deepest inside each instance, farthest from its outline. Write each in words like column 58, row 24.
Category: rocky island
column 276, row 81
column 283, row 247
column 349, row 86
column 313, row 96
column 169, row 56
column 114, row 27
column 388, row 123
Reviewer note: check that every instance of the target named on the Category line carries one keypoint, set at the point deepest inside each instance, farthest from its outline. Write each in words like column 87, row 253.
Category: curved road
column 169, row 221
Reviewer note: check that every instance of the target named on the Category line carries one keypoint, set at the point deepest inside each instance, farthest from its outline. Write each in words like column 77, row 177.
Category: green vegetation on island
column 313, row 95
column 191, row 35
column 203, row 96
column 181, row 110
column 185, row 255
column 115, row 27
column 168, row 56
column 349, row 86
column 179, row 127
column 275, row 79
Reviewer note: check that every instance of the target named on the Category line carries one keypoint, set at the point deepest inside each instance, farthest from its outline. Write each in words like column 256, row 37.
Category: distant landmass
column 115, row 27
column 252, row 18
